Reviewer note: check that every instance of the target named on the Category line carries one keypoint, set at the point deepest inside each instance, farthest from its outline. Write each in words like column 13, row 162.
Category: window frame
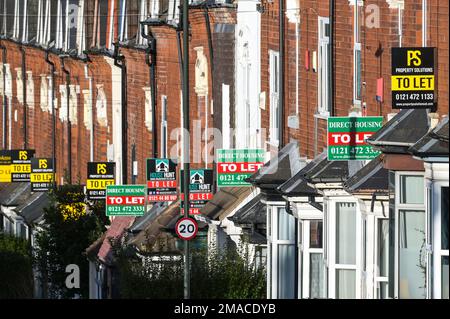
column 274, row 76
column 323, row 62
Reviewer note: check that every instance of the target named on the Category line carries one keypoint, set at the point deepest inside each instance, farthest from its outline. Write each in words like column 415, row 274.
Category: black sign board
column 413, row 80
column 99, row 175
column 42, row 174
column 200, row 189
column 21, row 165
column 161, row 180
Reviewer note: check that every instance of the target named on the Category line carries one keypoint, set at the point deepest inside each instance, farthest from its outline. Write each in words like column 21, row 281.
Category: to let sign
column 200, row 189
column 100, row 175
column 234, row 166
column 413, row 78
column 125, row 200
column 21, row 165
column 5, row 166
column 347, row 137
column 162, row 180
column 42, row 173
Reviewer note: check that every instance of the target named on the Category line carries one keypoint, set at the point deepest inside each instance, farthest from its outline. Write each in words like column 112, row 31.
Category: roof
column 329, row 171
column 149, row 235
column 32, row 210
column 254, row 212
column 15, row 194
column 94, row 248
column 401, row 132
column 297, row 185
column 224, row 201
column 279, row 169
column 371, row 178
column 115, row 231
column 141, row 222
column 434, row 143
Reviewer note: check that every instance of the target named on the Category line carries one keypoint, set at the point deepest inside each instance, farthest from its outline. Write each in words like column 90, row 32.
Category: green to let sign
column 347, row 137
column 234, row 166
column 125, row 200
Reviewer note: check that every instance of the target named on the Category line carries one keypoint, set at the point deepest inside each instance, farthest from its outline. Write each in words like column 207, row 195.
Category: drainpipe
column 69, row 124
column 119, row 61
column 24, row 92
column 91, row 128
column 332, row 67
column 5, row 99
column 150, row 59
column 52, row 68
column 424, row 23
column 282, row 64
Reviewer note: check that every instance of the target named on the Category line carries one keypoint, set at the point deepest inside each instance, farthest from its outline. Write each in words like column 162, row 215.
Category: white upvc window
column 381, row 250
column 344, row 249
column 19, row 13
column 440, row 221
column 357, row 57
column 311, row 259
column 410, row 275
column 324, row 54
column 274, row 83
column 8, row 18
column 281, row 265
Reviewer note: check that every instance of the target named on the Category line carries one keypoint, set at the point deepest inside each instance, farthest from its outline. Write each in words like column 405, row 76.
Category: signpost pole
column 186, row 138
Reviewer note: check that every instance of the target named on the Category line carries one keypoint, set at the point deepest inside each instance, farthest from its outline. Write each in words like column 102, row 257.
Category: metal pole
column 281, row 99
column 186, row 139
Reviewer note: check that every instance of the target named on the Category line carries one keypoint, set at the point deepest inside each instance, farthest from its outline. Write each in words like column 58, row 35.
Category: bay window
column 282, row 255
column 382, row 258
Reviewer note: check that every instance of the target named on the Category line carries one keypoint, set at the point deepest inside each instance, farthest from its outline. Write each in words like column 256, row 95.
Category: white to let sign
column 186, row 228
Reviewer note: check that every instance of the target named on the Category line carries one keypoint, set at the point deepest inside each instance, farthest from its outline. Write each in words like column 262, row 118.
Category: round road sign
column 186, row 228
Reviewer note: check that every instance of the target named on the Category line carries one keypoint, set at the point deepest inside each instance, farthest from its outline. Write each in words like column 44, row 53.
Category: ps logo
column 43, row 163
column 23, row 155
column 101, row 168
column 414, row 57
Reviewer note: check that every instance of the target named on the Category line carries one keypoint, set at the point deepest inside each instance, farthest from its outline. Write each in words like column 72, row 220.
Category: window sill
column 322, row 115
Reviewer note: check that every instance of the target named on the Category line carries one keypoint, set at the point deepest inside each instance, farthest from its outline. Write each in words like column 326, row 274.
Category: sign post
column 234, row 166
column 42, row 174
column 347, row 138
column 162, row 180
column 200, row 189
column 100, row 175
column 21, row 165
column 125, row 200
column 413, row 78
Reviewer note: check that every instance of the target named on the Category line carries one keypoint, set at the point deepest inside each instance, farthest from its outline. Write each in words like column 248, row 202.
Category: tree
column 70, row 227
column 16, row 273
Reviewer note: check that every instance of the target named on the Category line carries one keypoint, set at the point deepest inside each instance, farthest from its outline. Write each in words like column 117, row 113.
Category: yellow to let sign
column 41, row 177
column 5, row 173
column 20, row 168
column 413, row 83
column 99, row 183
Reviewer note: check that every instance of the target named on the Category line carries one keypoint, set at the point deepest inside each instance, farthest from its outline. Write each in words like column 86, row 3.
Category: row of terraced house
column 100, row 80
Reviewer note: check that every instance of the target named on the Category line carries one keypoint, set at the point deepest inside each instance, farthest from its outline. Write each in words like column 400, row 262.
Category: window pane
column 411, row 190
column 53, row 19
column 346, row 233
column 383, row 290
column 32, row 13
column 286, row 271
column 412, row 255
column 444, row 218
column 73, row 23
column 345, row 284
column 315, row 240
column 286, row 225
column 383, row 247
column 316, row 280
column 10, row 8
column 103, row 22
column 358, row 74
column 445, row 271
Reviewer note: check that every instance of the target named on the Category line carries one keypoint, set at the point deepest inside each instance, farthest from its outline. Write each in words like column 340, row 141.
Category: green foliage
column 16, row 273
column 226, row 275
column 70, row 227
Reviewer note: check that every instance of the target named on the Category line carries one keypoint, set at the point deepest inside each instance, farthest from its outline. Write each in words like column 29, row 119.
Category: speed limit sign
column 186, row 228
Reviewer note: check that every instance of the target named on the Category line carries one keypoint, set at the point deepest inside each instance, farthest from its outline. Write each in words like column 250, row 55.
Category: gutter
column 119, row 61
column 69, row 124
column 52, row 67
